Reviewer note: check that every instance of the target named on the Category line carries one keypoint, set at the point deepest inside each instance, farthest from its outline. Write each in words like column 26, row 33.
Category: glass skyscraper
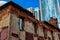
column 37, row 13
column 59, row 20
column 49, row 8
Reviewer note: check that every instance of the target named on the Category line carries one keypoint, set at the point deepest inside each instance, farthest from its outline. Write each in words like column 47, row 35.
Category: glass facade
column 59, row 20
column 49, row 9
column 37, row 13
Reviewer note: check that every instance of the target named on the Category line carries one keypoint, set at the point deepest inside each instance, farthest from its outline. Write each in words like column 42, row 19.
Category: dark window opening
column 29, row 36
column 15, row 35
column 35, row 27
column 52, row 35
column 45, row 33
column 21, row 23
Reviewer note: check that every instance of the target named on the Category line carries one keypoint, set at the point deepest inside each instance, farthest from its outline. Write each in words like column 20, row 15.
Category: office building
column 37, row 13
column 49, row 8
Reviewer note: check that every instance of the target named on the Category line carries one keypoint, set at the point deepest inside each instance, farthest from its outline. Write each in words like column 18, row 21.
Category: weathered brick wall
column 4, row 33
column 29, row 27
column 5, row 21
column 22, row 35
column 14, row 27
column 54, row 22
column 35, row 38
column 49, row 35
column 55, row 34
column 40, row 31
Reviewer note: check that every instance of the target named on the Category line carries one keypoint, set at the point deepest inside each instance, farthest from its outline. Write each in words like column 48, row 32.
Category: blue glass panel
column 49, row 9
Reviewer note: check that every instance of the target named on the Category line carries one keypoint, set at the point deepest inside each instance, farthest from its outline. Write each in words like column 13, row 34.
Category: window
column 45, row 33
column 21, row 21
column 35, row 27
column 52, row 35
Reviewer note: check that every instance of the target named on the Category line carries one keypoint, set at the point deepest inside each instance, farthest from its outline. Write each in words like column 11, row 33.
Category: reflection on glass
column 49, row 9
column 20, row 23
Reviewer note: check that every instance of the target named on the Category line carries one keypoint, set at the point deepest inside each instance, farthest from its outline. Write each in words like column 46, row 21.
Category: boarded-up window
column 29, row 36
column 40, row 38
column 4, row 33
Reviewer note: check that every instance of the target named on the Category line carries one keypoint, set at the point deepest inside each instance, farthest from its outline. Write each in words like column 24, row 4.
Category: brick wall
column 49, row 35
column 40, row 31
column 54, row 22
column 5, row 21
column 29, row 27
column 14, row 27
column 22, row 35
column 55, row 34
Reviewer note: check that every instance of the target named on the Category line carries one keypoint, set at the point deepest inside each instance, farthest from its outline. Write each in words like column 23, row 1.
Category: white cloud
column 2, row 3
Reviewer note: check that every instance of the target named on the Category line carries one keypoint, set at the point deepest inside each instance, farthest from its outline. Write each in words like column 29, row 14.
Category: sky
column 27, row 3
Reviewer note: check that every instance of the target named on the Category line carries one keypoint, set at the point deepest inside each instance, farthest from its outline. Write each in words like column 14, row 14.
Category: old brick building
column 54, row 22
column 16, row 23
